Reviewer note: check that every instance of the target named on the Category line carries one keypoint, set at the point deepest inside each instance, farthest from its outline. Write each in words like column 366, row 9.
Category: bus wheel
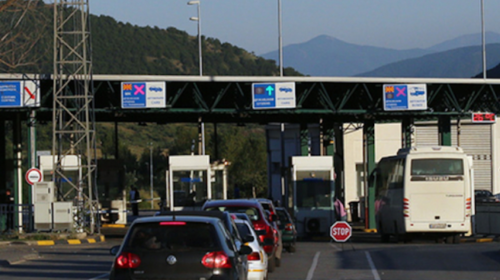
column 453, row 239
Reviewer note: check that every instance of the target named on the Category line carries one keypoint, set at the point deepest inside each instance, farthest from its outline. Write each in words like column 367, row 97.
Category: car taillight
column 127, row 260
column 289, row 227
column 255, row 256
column 276, row 235
column 216, row 260
column 268, row 248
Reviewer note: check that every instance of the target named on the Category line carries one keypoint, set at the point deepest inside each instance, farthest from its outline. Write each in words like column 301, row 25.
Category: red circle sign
column 34, row 175
column 341, row 231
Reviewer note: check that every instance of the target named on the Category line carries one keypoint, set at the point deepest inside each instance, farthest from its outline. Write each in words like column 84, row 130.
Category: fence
column 9, row 215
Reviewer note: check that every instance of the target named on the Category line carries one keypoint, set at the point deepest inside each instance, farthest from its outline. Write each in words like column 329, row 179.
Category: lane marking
column 372, row 266
column 310, row 274
column 335, row 247
column 101, row 276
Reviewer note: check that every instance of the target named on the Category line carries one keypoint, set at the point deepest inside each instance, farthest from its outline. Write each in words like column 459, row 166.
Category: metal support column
column 305, row 140
column 369, row 166
column 406, row 132
column 444, row 128
column 3, row 156
column 338, row 160
column 18, row 191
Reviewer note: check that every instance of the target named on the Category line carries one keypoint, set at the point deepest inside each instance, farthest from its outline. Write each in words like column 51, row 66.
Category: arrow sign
column 270, row 90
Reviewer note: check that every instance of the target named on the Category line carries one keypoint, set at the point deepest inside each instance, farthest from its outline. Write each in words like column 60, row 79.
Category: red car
column 264, row 228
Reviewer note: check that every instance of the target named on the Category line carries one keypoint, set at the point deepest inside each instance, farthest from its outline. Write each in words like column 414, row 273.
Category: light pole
column 151, row 171
column 200, row 56
column 280, row 39
column 483, row 39
column 198, row 19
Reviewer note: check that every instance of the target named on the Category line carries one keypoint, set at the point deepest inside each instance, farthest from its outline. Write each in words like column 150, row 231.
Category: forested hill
column 123, row 48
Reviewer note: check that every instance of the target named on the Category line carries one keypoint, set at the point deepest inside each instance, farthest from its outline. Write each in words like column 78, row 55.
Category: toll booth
column 188, row 182
column 313, row 189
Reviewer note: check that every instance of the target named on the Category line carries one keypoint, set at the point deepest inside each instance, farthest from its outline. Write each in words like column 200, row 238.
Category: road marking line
column 100, row 276
column 310, row 274
column 372, row 266
column 335, row 247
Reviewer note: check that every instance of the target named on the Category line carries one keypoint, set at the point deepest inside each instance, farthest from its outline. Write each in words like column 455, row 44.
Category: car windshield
column 283, row 216
column 172, row 236
column 251, row 212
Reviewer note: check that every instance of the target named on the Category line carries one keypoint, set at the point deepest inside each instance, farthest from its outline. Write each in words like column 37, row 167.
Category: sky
column 253, row 24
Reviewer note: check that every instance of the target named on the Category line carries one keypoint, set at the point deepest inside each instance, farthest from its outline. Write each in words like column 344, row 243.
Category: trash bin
column 353, row 206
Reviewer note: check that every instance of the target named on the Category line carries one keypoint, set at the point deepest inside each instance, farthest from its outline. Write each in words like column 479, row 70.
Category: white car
column 257, row 260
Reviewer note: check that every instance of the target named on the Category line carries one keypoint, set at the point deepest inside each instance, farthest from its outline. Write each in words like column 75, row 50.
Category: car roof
column 181, row 218
column 232, row 202
column 215, row 214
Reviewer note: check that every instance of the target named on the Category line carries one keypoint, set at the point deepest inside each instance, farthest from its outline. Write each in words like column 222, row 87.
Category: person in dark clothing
column 134, row 200
column 9, row 201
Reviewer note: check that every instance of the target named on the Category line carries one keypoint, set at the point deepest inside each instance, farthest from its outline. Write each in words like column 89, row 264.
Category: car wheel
column 278, row 262
column 271, row 265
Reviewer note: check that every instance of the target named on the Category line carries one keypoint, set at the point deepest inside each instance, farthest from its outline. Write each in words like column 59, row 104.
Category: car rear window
column 283, row 216
column 173, row 236
column 243, row 229
column 251, row 212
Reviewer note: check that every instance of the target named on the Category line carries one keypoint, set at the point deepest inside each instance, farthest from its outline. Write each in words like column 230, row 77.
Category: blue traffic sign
column 273, row 95
column 19, row 94
column 405, row 97
column 144, row 95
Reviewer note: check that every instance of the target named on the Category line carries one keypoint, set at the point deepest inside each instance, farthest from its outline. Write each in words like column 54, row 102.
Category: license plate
column 437, row 225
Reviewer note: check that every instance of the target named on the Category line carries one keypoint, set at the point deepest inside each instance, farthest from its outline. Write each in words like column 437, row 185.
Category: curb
column 100, row 238
column 70, row 241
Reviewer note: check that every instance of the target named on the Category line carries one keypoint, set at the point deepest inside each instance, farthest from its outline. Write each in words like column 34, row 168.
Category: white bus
column 424, row 190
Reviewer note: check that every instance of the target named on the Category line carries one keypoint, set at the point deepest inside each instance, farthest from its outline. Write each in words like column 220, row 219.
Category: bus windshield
column 437, row 167
column 314, row 189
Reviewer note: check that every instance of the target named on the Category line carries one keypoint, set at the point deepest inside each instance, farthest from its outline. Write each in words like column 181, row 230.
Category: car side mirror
column 114, row 250
column 245, row 250
column 248, row 238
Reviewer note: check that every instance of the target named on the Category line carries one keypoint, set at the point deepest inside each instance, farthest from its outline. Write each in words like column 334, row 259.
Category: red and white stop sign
column 341, row 231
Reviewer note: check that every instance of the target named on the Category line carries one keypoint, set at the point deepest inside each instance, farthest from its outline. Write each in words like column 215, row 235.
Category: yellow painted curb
column 103, row 238
column 91, row 240
column 113, row 226
column 481, row 240
column 373, row 230
column 74, row 242
column 46, row 243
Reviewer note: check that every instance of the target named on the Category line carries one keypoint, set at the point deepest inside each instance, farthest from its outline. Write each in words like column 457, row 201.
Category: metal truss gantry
column 73, row 118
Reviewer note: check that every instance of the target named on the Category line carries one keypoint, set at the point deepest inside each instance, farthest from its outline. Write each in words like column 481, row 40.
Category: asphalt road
column 362, row 259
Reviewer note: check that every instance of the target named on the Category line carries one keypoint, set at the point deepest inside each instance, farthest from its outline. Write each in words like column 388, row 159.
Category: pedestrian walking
column 9, row 210
column 134, row 200
column 340, row 212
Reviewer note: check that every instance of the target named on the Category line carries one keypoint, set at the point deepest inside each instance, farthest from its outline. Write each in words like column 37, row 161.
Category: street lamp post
column 200, row 59
column 483, row 39
column 280, row 39
column 198, row 19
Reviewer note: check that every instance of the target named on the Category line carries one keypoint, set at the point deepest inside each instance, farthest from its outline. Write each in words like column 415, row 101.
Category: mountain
column 466, row 41
column 463, row 62
column 328, row 56
column 123, row 48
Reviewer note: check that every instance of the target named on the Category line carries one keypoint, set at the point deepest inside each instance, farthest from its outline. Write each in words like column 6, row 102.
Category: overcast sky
column 253, row 24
